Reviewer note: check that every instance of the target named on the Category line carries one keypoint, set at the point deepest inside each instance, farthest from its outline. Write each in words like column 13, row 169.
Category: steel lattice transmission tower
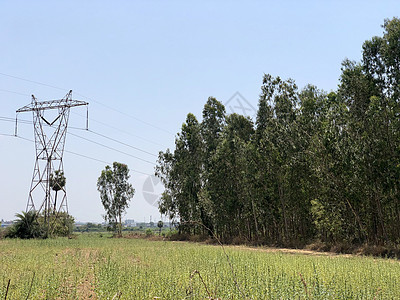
column 50, row 121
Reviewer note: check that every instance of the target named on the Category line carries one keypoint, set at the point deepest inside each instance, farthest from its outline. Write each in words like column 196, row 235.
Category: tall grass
column 93, row 267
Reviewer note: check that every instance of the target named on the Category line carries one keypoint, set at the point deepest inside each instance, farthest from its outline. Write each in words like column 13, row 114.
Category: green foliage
column 61, row 224
column 329, row 223
column 30, row 225
column 160, row 224
column 184, row 170
column 313, row 166
column 91, row 267
column 57, row 180
column 90, row 227
column 57, row 183
column 115, row 193
column 27, row 226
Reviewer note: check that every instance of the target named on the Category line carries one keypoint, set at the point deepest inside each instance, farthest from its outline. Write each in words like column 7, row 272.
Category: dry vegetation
column 96, row 267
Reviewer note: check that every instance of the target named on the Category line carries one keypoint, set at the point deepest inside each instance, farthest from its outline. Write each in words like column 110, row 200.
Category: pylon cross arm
column 52, row 104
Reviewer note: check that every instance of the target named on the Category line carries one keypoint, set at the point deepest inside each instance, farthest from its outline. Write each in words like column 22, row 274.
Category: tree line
column 312, row 165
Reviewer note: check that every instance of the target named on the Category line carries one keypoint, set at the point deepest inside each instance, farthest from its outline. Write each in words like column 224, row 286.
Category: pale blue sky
column 153, row 62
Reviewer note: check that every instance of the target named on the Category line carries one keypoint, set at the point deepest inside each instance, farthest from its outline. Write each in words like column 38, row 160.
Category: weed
column 91, row 267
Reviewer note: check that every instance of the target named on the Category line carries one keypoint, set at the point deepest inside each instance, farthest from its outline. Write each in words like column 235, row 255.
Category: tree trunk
column 120, row 225
column 282, row 200
column 380, row 215
column 255, row 218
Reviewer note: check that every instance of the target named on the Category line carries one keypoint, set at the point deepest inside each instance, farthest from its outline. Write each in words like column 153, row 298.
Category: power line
column 91, row 119
column 118, row 129
column 122, row 143
column 88, row 157
column 7, row 119
column 74, row 153
column 99, row 160
column 12, row 92
column 32, row 81
column 126, row 114
column 111, row 148
column 106, row 106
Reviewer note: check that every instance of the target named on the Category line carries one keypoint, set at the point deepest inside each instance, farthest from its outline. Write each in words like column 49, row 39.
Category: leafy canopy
column 115, row 193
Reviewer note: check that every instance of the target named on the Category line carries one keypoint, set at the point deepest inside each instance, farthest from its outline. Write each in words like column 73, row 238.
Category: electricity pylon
column 50, row 133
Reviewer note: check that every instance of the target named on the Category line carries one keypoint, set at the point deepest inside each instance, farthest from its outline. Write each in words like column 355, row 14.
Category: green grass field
column 95, row 267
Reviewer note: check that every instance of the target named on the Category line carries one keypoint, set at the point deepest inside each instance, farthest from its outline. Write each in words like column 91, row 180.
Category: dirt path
column 290, row 251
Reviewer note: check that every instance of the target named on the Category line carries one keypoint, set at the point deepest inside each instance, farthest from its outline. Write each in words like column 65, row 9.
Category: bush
column 198, row 238
column 32, row 225
column 180, row 237
column 61, row 224
column 26, row 227
column 169, row 233
column 148, row 232
column 2, row 233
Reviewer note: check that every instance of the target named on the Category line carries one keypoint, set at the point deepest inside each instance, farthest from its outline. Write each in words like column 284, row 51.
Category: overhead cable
column 91, row 99
column 7, row 119
column 74, row 153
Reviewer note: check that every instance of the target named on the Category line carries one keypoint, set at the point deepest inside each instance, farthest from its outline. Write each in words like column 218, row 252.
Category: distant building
column 5, row 224
column 130, row 223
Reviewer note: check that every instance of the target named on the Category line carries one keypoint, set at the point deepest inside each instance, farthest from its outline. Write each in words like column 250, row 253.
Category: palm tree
column 160, row 225
column 57, row 182
column 27, row 226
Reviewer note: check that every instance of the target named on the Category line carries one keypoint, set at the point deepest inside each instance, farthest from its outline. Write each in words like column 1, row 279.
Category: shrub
column 197, row 238
column 26, row 226
column 179, row 237
column 61, row 224
column 2, row 233
column 32, row 225
column 169, row 233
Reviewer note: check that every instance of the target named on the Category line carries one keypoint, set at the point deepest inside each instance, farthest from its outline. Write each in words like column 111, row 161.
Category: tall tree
column 314, row 165
column 211, row 129
column 115, row 193
column 188, row 170
column 212, row 125
column 180, row 172
column 228, row 181
column 371, row 91
column 165, row 171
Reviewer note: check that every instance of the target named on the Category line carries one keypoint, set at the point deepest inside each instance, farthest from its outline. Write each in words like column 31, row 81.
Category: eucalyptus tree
column 371, row 91
column 381, row 65
column 265, row 150
column 188, row 154
column 115, row 193
column 229, row 181
column 211, row 128
column 166, row 172
column 314, row 165
column 180, row 172
column 278, row 143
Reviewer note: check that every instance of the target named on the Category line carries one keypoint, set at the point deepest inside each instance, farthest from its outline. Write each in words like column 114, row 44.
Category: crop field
column 98, row 267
